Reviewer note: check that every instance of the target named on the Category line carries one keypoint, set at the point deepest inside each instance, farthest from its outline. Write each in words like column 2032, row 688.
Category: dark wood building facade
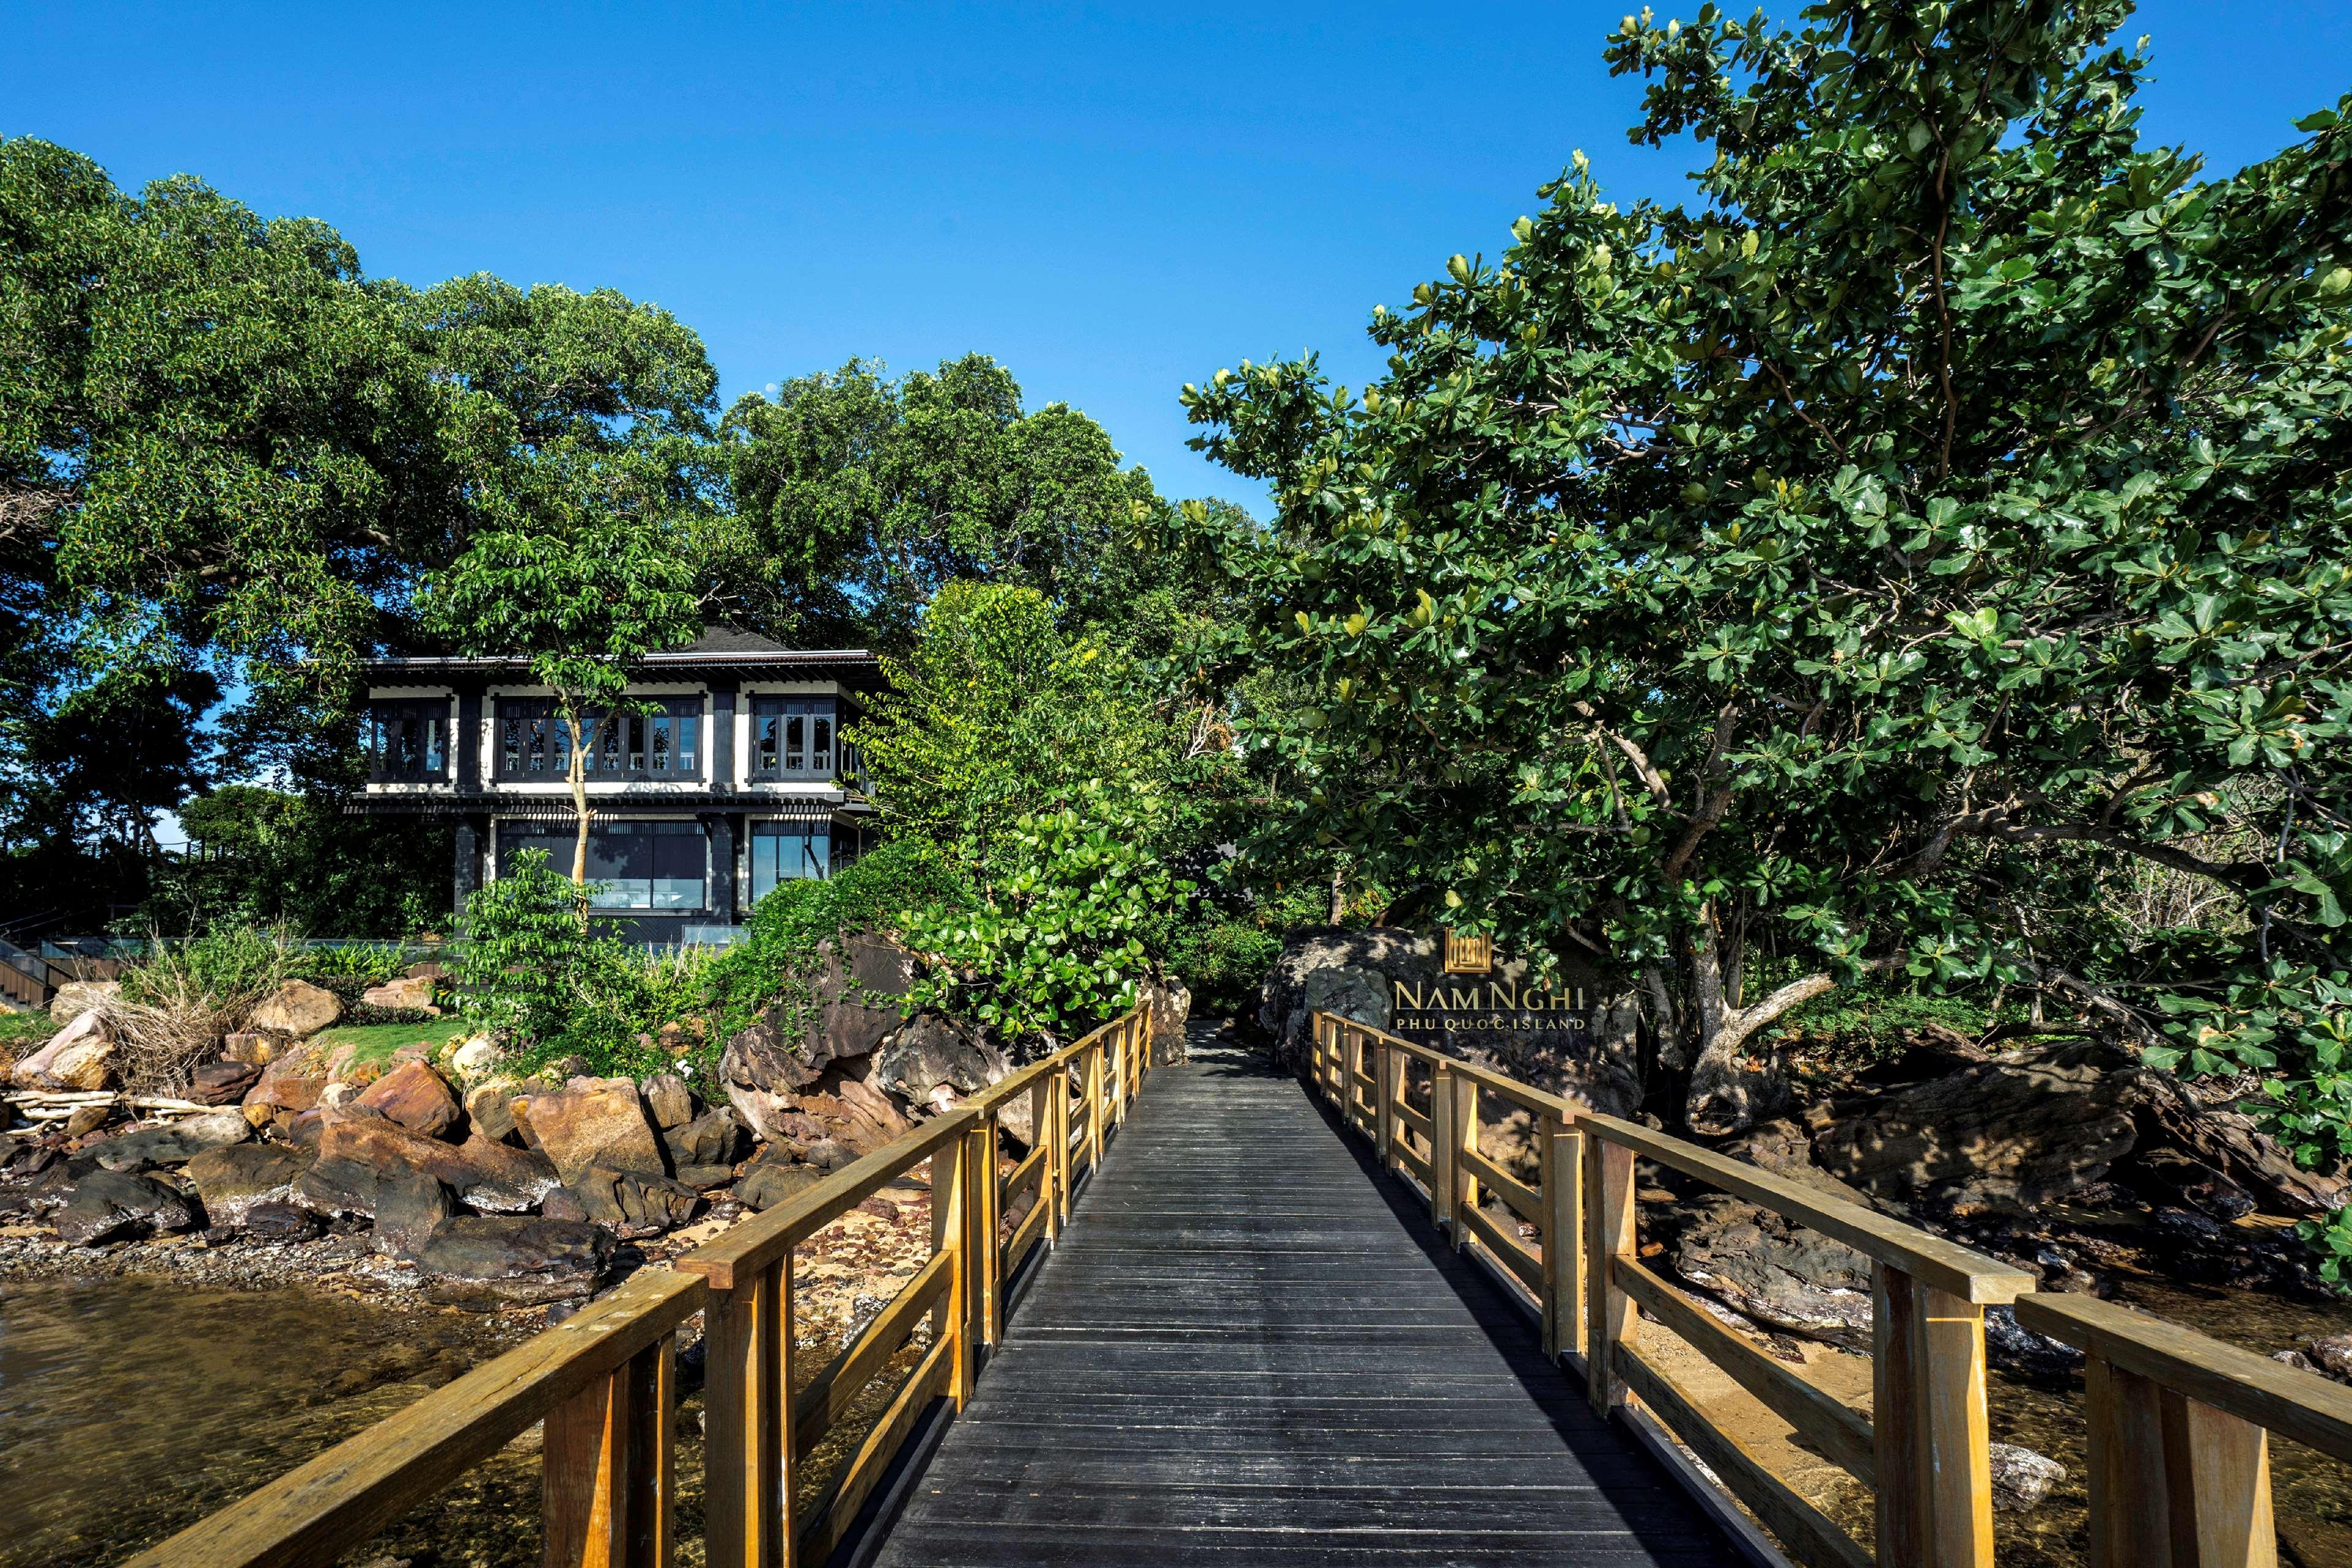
column 732, row 776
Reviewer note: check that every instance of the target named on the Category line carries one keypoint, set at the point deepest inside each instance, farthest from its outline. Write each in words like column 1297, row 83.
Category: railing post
column 653, row 1454
column 982, row 1225
column 748, row 1457
column 1384, row 1101
column 583, row 1469
column 951, row 1187
column 1094, row 1109
column 2173, row 1480
column 1563, row 1159
column 1466, row 1141
column 1610, row 1232
column 1041, row 1139
column 1443, row 1127
column 1929, row 1426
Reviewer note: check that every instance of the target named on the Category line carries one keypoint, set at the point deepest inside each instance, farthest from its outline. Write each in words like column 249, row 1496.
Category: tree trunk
column 1731, row 1086
column 577, row 774
column 1338, row 893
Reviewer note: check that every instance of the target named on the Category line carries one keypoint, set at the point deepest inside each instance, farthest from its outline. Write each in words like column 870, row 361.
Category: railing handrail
column 2238, row 1382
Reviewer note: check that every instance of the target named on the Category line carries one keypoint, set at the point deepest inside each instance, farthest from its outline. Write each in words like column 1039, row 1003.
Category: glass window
column 407, row 739
column 534, row 742
column 785, row 851
column 792, row 737
column 642, row 865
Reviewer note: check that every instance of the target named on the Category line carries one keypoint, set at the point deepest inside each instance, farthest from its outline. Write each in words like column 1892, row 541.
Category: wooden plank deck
column 1249, row 1350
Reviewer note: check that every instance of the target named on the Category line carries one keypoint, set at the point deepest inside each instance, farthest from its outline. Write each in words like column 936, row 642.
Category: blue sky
column 1112, row 201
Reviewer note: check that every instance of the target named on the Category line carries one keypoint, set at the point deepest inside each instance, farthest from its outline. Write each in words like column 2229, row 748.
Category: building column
column 722, row 736
column 467, row 741
column 472, row 834
column 720, row 825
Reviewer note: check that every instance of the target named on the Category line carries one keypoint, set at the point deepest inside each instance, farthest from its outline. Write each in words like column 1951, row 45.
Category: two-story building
column 731, row 777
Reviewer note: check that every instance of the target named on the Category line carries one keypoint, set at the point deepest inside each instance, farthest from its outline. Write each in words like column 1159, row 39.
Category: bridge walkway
column 1250, row 1348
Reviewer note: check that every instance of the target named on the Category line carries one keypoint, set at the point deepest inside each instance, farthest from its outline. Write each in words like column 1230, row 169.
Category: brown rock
column 489, row 1107
column 291, row 1080
column 2008, row 1135
column 410, row 994
column 222, row 1083
column 233, row 1182
column 769, row 1182
column 1168, row 1006
column 79, row 1058
column 591, row 1122
column 88, row 1119
column 352, row 1156
column 299, row 1008
column 634, row 1206
column 667, row 1100
column 409, row 1207
column 486, row 1263
column 416, row 1097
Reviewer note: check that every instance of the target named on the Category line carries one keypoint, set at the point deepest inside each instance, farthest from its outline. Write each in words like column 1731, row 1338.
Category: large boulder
column 79, row 1057
column 714, row 1138
column 667, row 1100
column 174, row 1142
column 291, row 1080
column 1351, row 974
column 591, row 1122
column 1168, row 1004
column 416, row 1097
column 222, row 1083
column 409, row 1207
column 298, row 1008
column 1776, row 1272
column 408, row 993
column 632, row 1204
column 116, row 1205
column 2004, row 1136
column 75, row 997
column 236, row 1180
column 790, row 1046
column 487, row 1262
column 354, row 1156
column 489, row 1108
column 933, row 1060
column 775, row 1177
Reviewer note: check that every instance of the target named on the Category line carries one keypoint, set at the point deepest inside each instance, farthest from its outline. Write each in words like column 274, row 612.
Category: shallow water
column 131, row 1407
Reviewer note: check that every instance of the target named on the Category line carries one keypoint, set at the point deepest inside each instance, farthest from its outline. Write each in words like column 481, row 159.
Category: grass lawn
column 21, row 1032
column 376, row 1042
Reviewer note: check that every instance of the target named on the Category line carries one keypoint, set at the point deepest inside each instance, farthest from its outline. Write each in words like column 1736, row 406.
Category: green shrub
column 370, row 964
column 229, row 968
column 524, row 944
column 1059, row 943
column 1223, row 960
column 777, row 959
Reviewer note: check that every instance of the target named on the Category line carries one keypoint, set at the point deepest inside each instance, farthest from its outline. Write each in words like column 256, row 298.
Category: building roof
column 716, row 650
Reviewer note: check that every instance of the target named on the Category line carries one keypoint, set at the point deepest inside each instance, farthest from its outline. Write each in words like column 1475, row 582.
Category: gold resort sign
column 1475, row 1004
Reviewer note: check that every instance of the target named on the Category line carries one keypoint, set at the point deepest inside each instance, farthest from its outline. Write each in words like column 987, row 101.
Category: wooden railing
column 604, row 1380
column 2178, row 1422
column 2178, row 1428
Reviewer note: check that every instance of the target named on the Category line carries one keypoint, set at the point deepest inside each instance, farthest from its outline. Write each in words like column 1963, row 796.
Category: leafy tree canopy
column 858, row 497
column 1954, row 493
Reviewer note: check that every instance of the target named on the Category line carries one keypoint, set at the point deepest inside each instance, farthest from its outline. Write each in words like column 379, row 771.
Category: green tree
column 997, row 712
column 1784, row 582
column 857, row 498
column 581, row 595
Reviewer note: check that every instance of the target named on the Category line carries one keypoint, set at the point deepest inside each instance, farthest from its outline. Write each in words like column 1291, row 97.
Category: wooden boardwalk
column 1250, row 1349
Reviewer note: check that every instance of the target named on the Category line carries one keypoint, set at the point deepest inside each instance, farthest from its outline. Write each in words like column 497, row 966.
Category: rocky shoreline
column 437, row 1175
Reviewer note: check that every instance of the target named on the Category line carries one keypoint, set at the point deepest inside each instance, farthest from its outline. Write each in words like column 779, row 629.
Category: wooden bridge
column 1263, row 1325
